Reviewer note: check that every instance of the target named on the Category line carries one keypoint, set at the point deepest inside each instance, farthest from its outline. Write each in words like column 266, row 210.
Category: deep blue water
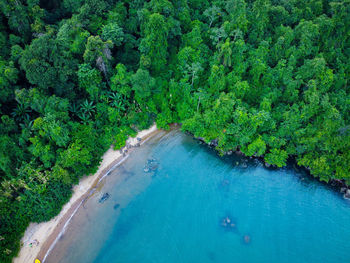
column 175, row 214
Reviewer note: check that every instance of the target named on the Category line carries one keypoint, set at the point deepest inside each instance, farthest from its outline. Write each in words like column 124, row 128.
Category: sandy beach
column 44, row 235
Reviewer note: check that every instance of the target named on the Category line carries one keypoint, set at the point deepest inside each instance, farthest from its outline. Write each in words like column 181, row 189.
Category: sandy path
column 46, row 233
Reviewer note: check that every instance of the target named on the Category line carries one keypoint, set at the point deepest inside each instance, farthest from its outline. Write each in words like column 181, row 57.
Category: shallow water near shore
column 177, row 211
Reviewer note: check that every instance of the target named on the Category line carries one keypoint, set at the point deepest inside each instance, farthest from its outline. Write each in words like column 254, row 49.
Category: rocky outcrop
column 228, row 223
column 151, row 165
column 214, row 143
column 337, row 183
column 104, row 197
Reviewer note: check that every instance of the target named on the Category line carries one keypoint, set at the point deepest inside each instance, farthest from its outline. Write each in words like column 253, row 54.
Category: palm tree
column 21, row 112
column 27, row 123
column 84, row 118
column 73, row 108
column 118, row 101
column 88, row 108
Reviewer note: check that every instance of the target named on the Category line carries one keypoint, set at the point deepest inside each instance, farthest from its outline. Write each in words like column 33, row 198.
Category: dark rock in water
column 104, row 197
column 200, row 139
column 116, row 206
column 138, row 138
column 343, row 190
column 151, row 165
column 244, row 165
column 347, row 194
column 267, row 165
column 338, row 183
column 212, row 256
column 225, row 182
column 214, row 143
column 137, row 144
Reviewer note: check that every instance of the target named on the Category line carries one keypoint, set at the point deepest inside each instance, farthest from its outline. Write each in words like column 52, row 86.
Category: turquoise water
column 175, row 213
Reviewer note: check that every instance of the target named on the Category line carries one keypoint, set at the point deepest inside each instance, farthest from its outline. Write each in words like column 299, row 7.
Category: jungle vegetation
column 268, row 77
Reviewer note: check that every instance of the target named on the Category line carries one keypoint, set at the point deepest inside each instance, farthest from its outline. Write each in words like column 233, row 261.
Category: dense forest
column 267, row 77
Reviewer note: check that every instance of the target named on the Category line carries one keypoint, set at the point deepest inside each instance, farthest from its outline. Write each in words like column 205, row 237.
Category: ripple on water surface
column 174, row 200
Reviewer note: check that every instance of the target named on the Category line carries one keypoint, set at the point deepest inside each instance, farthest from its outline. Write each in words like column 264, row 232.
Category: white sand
column 42, row 231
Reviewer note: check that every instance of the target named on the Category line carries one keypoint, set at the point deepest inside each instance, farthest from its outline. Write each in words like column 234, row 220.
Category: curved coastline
column 47, row 233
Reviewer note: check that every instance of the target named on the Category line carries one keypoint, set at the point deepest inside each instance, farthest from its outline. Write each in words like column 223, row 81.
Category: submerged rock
column 267, row 165
column 228, row 223
column 347, row 194
column 200, row 139
column 225, row 182
column 151, row 165
column 116, row 206
column 104, row 197
column 246, row 239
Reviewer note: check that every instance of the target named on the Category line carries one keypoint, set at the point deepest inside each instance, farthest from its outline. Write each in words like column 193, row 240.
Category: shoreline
column 47, row 233
column 339, row 185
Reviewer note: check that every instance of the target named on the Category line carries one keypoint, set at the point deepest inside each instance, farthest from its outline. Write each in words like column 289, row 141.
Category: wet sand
column 47, row 233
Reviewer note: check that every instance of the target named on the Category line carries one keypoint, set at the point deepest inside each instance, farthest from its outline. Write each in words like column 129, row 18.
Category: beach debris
column 104, row 197
column 116, row 206
column 246, row 239
column 151, row 165
column 34, row 242
column 228, row 223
